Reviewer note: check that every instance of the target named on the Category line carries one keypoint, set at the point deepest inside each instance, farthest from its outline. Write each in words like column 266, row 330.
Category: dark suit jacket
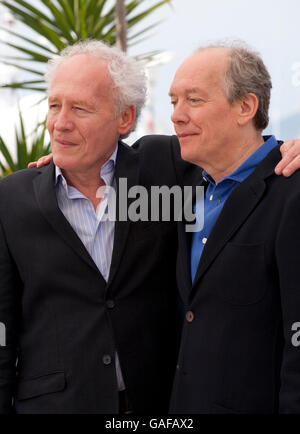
column 63, row 321
column 236, row 353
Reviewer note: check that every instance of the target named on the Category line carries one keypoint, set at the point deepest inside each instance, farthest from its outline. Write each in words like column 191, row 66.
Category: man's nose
column 179, row 114
column 63, row 121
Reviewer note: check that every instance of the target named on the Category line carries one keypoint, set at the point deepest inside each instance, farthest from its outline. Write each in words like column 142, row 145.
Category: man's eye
column 53, row 106
column 195, row 100
column 173, row 102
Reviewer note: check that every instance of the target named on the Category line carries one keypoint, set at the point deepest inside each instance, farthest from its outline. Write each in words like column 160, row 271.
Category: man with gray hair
column 87, row 303
column 90, row 304
column 239, row 275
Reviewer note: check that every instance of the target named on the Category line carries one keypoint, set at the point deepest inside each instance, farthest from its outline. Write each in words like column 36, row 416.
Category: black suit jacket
column 63, row 321
column 237, row 353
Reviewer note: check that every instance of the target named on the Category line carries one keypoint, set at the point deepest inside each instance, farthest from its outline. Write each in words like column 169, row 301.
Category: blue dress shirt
column 216, row 196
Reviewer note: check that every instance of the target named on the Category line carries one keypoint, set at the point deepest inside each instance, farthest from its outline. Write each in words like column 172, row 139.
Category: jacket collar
column 234, row 213
column 44, row 188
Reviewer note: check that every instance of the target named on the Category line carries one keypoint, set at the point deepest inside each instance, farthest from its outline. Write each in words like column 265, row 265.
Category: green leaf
column 22, row 84
column 60, row 19
column 7, row 156
column 65, row 21
column 94, row 9
column 21, row 145
column 77, row 16
column 68, row 12
column 53, row 37
column 141, row 32
column 16, row 65
column 141, row 16
column 33, row 21
column 37, row 147
column 109, row 34
column 31, row 41
column 37, row 57
column 83, row 31
column 29, row 7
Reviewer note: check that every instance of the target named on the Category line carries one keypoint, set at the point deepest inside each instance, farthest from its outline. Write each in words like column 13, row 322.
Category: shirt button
column 64, row 183
column 204, row 240
column 211, row 197
column 106, row 359
column 96, row 238
column 189, row 316
column 110, row 304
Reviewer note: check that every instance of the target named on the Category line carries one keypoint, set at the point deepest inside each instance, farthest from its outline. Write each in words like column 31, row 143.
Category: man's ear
column 248, row 106
column 126, row 120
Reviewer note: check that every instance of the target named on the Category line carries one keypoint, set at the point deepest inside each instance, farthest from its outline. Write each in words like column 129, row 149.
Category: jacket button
column 110, row 304
column 106, row 359
column 189, row 316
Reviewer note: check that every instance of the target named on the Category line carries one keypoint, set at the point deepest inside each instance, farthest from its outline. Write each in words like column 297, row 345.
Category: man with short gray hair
column 239, row 275
column 87, row 302
column 90, row 304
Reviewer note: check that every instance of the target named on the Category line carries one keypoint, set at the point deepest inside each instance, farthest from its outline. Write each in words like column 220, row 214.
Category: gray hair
column 246, row 73
column 128, row 76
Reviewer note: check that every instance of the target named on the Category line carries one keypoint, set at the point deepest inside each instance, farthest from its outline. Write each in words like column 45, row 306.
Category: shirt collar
column 106, row 172
column 243, row 171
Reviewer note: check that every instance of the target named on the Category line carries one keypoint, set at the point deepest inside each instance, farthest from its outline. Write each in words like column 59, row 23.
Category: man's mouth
column 64, row 143
column 184, row 135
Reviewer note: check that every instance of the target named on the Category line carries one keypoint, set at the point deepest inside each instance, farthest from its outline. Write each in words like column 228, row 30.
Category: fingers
column 291, row 167
column 290, row 162
column 289, row 144
column 43, row 161
column 286, row 160
column 31, row 164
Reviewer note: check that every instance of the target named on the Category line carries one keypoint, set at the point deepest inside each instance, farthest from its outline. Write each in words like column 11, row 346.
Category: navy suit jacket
column 238, row 354
column 64, row 323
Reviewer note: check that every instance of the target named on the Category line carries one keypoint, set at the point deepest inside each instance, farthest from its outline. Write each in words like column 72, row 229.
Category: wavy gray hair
column 246, row 73
column 128, row 75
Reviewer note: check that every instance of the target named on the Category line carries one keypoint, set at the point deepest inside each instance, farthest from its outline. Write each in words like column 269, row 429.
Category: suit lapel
column 45, row 195
column 127, row 166
column 235, row 211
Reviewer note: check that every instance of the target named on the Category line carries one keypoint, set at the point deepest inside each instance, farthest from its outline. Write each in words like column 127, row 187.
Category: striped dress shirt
column 95, row 232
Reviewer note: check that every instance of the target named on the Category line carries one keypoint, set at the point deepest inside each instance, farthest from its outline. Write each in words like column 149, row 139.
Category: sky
column 268, row 26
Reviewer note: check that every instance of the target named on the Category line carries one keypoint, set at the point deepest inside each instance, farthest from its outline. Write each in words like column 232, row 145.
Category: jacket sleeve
column 288, row 260
column 9, row 325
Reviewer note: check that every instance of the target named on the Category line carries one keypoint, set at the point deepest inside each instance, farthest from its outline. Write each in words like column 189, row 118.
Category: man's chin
column 63, row 162
column 186, row 155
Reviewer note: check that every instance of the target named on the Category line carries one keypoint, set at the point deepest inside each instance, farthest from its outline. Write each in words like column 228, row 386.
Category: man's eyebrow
column 187, row 91
column 74, row 102
column 193, row 90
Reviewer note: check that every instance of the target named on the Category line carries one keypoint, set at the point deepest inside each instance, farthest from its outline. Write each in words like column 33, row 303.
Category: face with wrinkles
column 204, row 120
column 82, row 121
